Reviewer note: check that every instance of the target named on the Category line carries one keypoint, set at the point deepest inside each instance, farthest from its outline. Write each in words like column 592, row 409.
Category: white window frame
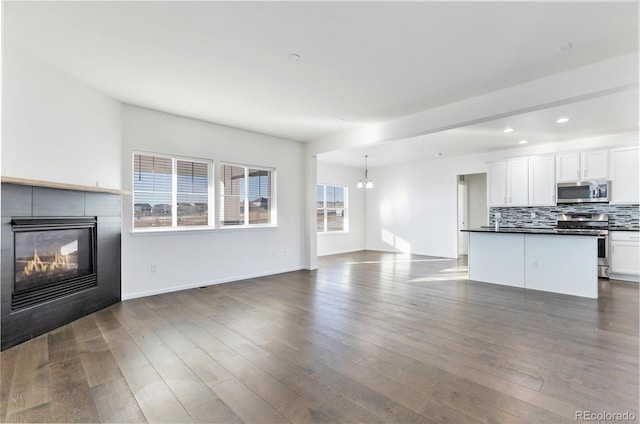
column 324, row 208
column 221, row 193
column 211, row 204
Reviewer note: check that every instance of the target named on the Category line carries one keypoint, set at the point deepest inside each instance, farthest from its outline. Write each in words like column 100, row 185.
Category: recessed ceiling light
column 562, row 120
column 294, row 57
column 523, row 141
column 508, row 130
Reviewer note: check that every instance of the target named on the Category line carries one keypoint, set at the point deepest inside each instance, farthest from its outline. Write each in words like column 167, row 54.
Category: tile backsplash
column 620, row 216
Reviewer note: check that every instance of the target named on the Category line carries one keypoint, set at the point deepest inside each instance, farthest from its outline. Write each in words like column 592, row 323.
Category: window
column 246, row 195
column 332, row 208
column 170, row 192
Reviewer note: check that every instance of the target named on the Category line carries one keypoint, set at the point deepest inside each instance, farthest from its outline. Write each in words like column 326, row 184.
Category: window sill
column 248, row 227
column 157, row 231
column 333, row 233
column 160, row 231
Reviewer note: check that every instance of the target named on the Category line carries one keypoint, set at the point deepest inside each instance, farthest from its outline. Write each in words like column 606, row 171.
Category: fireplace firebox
column 60, row 257
column 53, row 257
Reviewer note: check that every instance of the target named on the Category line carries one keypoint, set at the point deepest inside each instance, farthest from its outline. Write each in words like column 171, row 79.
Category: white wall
column 414, row 206
column 192, row 259
column 354, row 239
column 56, row 128
column 477, row 199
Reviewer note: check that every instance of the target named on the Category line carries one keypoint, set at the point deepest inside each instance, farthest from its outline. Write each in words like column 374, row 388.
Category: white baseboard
column 340, row 252
column 625, row 277
column 136, row 295
column 412, row 253
column 382, row 250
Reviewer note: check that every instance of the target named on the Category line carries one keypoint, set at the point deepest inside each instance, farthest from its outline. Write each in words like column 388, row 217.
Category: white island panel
column 562, row 264
column 497, row 258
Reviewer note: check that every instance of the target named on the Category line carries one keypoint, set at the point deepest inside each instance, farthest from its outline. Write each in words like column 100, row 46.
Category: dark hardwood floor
column 369, row 337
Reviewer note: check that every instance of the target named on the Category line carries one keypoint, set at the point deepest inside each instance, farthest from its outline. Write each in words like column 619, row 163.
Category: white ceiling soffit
column 613, row 113
column 360, row 62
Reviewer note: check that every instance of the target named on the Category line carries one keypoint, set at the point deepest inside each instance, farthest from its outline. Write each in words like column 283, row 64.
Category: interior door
column 463, row 218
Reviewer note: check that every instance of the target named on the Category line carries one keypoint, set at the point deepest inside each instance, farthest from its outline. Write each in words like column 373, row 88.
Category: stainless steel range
column 590, row 224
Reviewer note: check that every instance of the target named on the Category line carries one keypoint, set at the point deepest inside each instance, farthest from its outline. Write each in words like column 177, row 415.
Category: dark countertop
column 523, row 230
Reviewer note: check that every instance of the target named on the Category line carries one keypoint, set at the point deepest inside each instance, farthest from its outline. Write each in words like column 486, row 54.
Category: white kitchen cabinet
column 518, row 182
column 568, row 167
column 582, row 166
column 542, row 181
column 625, row 177
column 497, row 186
column 624, row 253
column 594, row 165
column 508, row 183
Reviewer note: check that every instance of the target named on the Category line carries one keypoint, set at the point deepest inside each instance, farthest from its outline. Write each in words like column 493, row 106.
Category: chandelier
column 366, row 182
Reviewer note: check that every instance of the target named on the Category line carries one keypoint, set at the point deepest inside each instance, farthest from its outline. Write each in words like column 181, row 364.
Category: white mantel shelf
column 64, row 186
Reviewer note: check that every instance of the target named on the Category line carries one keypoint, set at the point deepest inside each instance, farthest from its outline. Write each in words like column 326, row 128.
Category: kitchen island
column 533, row 258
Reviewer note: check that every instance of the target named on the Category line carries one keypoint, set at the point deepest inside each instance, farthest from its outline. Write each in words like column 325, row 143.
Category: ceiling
column 359, row 62
column 609, row 114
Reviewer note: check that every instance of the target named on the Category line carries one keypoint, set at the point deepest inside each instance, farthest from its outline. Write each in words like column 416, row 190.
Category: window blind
column 192, row 193
column 246, row 195
column 170, row 192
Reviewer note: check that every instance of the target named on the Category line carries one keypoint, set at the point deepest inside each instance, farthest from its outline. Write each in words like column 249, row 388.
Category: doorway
column 472, row 207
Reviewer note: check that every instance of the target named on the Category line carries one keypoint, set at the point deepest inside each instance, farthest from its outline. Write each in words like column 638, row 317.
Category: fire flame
column 36, row 264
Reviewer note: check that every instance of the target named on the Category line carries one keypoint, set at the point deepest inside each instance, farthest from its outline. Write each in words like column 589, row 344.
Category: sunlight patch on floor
column 450, row 274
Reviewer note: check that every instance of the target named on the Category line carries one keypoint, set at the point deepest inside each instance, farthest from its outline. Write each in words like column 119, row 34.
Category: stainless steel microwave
column 583, row 192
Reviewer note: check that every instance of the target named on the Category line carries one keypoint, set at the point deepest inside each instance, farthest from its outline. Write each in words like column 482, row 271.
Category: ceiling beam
column 598, row 79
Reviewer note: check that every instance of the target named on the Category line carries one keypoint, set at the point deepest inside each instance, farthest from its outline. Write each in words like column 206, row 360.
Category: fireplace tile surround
column 25, row 201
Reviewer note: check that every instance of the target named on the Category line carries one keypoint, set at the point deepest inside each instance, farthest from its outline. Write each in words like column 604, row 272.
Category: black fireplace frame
column 64, row 287
column 28, row 201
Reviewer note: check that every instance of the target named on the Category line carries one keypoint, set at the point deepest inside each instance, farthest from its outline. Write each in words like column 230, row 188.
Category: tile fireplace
column 61, row 257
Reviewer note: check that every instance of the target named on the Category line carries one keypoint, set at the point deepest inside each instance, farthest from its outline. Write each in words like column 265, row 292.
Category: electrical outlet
column 154, row 267
column 498, row 215
column 533, row 215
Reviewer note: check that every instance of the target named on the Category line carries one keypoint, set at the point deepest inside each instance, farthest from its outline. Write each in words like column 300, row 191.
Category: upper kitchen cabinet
column 542, row 181
column 568, row 167
column 625, row 163
column 518, row 182
column 508, row 183
column 582, row 166
column 594, row 165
